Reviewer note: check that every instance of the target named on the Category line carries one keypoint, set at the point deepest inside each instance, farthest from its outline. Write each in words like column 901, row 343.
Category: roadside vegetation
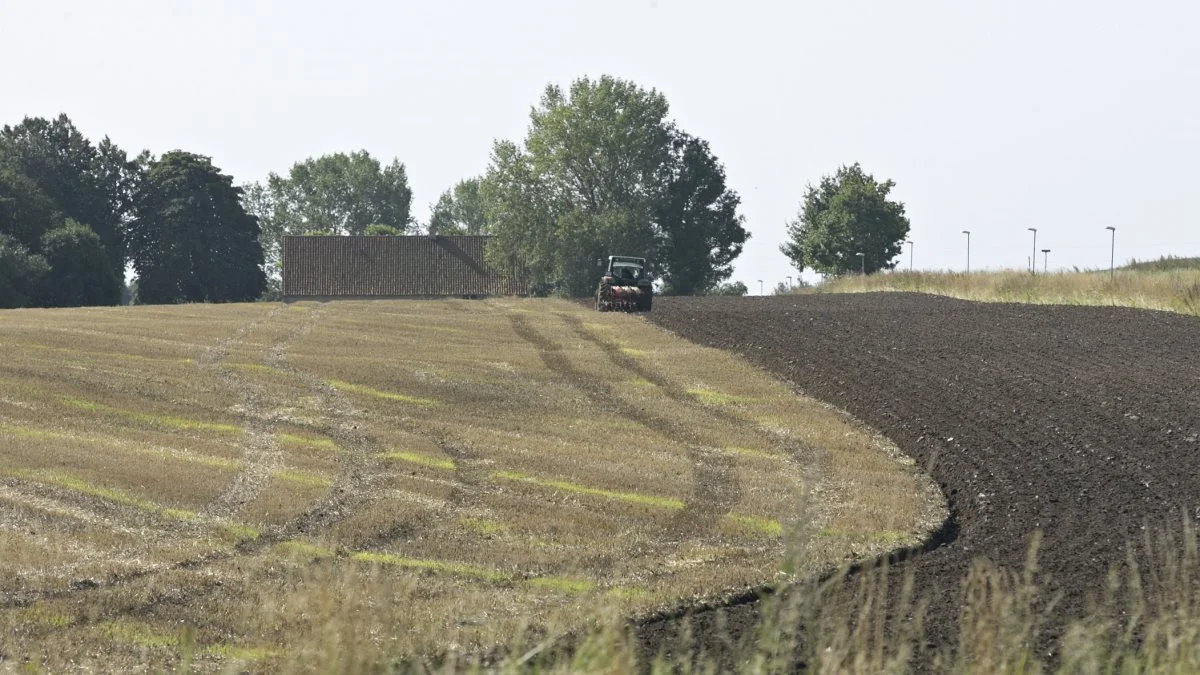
column 338, row 487
column 1168, row 284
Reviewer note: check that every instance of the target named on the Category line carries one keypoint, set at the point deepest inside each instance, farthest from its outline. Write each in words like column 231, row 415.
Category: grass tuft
column 632, row 497
column 387, row 395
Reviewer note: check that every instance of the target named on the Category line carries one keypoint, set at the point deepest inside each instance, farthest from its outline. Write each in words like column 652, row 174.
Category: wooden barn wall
column 384, row 266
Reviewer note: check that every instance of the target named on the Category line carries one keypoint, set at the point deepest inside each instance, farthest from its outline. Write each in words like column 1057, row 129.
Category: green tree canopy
column 702, row 233
column 846, row 214
column 92, row 184
column 192, row 241
column 80, row 272
column 21, row 273
column 734, row 288
column 460, row 210
column 338, row 193
column 603, row 171
column 26, row 213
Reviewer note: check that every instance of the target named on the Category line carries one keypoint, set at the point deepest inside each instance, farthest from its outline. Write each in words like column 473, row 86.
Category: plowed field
column 1080, row 422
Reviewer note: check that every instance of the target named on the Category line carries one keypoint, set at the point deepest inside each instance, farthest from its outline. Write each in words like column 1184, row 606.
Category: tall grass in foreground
column 1175, row 290
column 1145, row 619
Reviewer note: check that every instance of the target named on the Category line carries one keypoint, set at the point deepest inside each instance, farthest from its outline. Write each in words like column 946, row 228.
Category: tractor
column 625, row 286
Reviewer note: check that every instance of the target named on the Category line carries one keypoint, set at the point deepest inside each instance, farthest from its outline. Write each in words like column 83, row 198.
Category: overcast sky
column 991, row 117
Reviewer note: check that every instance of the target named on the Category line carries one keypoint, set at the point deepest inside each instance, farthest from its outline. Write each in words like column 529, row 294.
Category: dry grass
column 333, row 487
column 1168, row 289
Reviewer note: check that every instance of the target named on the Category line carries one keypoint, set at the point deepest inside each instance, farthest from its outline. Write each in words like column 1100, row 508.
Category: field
column 1170, row 284
column 1071, row 432
column 338, row 486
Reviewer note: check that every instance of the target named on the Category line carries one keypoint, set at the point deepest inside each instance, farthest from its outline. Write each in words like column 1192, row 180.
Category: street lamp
column 760, row 287
column 1046, row 263
column 910, row 253
column 1112, row 261
column 968, row 233
column 1033, row 260
column 862, row 263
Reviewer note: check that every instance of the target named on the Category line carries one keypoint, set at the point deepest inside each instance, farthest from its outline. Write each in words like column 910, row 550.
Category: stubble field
column 333, row 486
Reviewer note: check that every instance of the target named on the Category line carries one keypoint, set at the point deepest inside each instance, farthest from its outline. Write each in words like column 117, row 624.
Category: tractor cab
column 627, row 270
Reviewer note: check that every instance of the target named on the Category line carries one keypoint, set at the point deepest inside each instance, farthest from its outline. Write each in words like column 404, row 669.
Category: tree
column 192, row 241
column 20, row 273
column 26, row 213
column 80, row 272
column 460, row 210
column 846, row 214
column 702, row 232
column 339, row 193
column 603, row 171
column 378, row 230
column 734, row 288
column 91, row 184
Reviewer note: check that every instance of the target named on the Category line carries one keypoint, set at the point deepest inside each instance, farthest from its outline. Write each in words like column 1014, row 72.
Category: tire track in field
column 715, row 485
column 358, row 467
column 805, row 454
column 260, row 454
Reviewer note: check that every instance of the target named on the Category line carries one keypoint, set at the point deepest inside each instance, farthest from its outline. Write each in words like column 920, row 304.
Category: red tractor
column 625, row 286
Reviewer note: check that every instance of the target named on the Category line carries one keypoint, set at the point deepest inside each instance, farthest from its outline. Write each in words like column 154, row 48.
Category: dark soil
column 1082, row 422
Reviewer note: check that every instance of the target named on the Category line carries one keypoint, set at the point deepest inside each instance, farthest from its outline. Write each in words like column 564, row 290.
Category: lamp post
column 862, row 259
column 1112, row 261
column 1033, row 260
column 968, row 233
column 910, row 253
column 1046, row 260
column 760, row 287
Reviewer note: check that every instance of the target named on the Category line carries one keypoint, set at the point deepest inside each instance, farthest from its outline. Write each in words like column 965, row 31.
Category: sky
column 994, row 117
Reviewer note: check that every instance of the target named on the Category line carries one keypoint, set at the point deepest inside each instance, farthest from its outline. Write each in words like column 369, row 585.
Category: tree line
column 602, row 170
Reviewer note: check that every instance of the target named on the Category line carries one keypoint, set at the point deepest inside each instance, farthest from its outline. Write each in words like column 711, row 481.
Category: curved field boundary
column 1080, row 423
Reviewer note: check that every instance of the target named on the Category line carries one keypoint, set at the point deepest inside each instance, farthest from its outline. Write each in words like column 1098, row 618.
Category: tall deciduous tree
column 80, row 272
column 848, row 213
column 603, row 171
column 338, row 193
column 192, row 241
column 92, row 184
column 26, row 213
column 702, row 233
column 21, row 273
column 460, row 210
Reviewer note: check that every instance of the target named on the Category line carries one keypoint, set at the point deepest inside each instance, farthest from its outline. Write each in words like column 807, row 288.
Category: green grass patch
column 160, row 420
column 303, row 478
column 749, row 452
column 203, row 460
column 41, row 615
column 632, row 497
column 717, row 398
column 628, row 593
column 417, row 458
column 562, row 584
column 456, row 569
column 757, row 524
column 387, row 395
column 240, row 531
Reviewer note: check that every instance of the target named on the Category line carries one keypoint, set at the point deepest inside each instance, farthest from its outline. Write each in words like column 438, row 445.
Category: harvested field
column 326, row 486
column 1079, row 422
